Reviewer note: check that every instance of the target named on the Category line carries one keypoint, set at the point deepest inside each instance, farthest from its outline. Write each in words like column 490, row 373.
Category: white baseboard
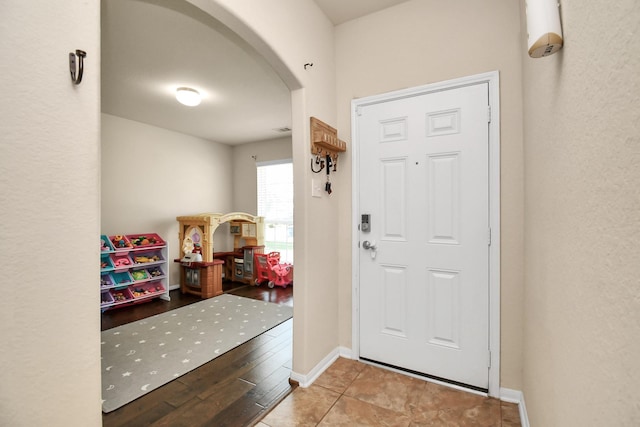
column 308, row 379
column 516, row 396
column 173, row 287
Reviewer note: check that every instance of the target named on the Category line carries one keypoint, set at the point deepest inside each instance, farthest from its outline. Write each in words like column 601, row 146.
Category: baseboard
column 516, row 396
column 308, row 379
column 173, row 287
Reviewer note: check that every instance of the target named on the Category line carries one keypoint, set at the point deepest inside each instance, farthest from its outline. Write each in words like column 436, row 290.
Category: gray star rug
column 141, row 356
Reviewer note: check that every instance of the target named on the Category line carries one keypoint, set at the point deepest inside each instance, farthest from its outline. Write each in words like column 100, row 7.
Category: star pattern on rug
column 188, row 337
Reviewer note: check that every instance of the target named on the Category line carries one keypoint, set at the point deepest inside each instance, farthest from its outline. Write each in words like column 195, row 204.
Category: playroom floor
column 234, row 389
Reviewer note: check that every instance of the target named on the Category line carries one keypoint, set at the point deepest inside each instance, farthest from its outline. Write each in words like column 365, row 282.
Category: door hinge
column 489, row 113
column 489, row 240
column 359, row 110
column 489, row 361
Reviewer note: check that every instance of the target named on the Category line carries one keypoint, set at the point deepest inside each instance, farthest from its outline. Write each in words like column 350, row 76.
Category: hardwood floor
column 234, row 389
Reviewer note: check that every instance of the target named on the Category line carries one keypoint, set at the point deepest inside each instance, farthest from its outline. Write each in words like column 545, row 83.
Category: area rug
column 141, row 356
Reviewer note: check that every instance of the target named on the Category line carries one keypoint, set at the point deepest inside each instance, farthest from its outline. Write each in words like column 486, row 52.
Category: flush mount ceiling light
column 187, row 96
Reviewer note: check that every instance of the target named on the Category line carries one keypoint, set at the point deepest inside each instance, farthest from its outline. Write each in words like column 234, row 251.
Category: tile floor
column 351, row 393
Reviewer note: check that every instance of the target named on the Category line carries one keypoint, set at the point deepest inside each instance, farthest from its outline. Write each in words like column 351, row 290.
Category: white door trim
column 493, row 80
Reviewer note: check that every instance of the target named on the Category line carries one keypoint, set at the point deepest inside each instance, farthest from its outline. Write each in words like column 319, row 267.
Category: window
column 275, row 204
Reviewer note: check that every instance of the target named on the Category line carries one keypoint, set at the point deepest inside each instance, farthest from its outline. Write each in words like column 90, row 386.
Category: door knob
column 369, row 245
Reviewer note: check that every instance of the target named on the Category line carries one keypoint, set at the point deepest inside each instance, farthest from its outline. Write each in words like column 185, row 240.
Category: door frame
column 493, row 80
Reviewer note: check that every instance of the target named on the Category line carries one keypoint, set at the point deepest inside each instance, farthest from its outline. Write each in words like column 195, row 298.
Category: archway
column 248, row 34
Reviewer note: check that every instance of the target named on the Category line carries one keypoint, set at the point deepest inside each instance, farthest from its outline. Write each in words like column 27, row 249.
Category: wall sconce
column 543, row 27
column 187, row 96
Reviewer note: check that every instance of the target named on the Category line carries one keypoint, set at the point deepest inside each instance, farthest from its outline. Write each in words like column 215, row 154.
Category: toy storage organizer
column 133, row 269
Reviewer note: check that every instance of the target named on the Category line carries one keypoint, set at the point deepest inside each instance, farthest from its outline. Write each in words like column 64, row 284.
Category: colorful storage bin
column 139, row 275
column 105, row 298
column 105, row 244
column 106, row 281
column 120, row 243
column 145, row 240
column 146, row 289
column 155, row 272
column 121, row 261
column 105, row 263
column 121, row 295
column 140, row 258
column 121, row 278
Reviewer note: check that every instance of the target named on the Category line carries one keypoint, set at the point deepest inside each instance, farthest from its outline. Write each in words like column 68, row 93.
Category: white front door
column 424, row 281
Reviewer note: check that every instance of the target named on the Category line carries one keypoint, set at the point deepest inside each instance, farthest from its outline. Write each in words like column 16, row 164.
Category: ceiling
column 152, row 47
column 340, row 11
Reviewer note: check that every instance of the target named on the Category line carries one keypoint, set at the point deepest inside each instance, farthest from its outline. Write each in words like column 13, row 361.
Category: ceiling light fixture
column 187, row 96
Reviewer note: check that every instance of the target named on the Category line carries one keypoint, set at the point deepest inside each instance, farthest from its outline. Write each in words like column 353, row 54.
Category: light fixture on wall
column 543, row 27
column 187, row 96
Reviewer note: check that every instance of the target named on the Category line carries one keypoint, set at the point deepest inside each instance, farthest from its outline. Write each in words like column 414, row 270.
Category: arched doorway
column 192, row 13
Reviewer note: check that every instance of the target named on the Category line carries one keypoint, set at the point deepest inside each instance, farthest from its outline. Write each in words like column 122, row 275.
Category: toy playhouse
column 201, row 268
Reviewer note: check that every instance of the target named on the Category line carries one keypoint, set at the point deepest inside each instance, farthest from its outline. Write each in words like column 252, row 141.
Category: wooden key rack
column 325, row 141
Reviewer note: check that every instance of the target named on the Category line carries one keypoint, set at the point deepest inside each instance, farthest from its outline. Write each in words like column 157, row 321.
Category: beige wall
column 152, row 175
column 49, row 216
column 295, row 32
column 425, row 41
column 50, row 210
column 582, row 253
column 245, row 194
column 581, row 173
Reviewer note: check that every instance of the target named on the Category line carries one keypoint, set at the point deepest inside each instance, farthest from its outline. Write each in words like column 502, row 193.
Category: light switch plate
column 316, row 188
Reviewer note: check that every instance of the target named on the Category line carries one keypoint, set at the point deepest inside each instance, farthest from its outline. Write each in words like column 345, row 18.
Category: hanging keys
column 327, row 186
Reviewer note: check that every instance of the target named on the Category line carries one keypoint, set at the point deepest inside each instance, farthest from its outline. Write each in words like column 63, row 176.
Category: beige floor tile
column 340, row 374
column 385, row 389
column 510, row 415
column 440, row 405
column 303, row 407
column 351, row 393
column 350, row 412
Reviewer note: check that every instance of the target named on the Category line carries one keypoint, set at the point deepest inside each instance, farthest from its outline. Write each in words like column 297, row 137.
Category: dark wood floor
column 235, row 389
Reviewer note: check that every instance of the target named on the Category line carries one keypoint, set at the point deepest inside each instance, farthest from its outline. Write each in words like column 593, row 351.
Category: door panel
column 393, row 184
column 394, row 309
column 424, row 179
column 443, row 198
column 444, row 308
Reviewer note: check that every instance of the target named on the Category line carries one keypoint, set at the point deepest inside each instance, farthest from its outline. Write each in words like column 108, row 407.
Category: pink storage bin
column 147, row 289
column 121, row 261
column 120, row 242
column 145, row 240
column 121, row 295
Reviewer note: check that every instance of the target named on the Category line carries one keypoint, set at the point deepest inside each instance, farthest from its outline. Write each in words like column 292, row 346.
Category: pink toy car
column 269, row 269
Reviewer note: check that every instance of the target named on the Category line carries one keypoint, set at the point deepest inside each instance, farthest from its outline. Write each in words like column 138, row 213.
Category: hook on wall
column 308, row 64
column 318, row 161
column 76, row 78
